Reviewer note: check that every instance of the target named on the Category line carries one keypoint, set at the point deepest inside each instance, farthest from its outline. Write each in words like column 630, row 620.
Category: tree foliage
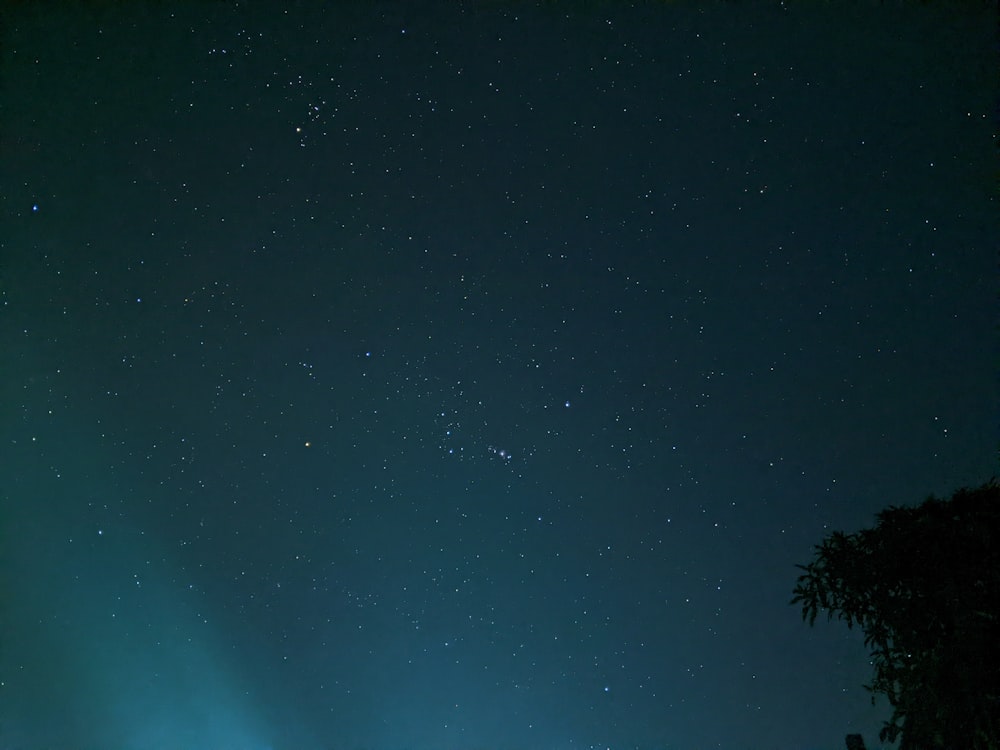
column 924, row 586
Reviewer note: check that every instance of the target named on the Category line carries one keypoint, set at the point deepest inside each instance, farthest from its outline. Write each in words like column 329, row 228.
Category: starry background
column 404, row 376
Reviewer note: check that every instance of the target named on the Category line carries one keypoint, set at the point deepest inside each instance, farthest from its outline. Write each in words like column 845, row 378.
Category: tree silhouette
column 924, row 586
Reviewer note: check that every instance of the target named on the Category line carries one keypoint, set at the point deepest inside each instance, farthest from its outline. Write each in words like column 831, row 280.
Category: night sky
column 472, row 376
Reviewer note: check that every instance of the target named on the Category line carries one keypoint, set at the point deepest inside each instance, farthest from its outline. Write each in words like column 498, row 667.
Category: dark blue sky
column 424, row 376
